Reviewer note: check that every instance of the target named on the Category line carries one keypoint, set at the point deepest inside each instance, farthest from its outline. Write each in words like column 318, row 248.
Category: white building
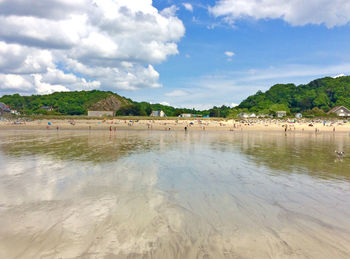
column 298, row 115
column 100, row 113
column 281, row 114
column 340, row 111
column 186, row 115
column 243, row 115
column 158, row 114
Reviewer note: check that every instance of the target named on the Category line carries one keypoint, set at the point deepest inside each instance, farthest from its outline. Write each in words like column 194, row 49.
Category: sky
column 193, row 54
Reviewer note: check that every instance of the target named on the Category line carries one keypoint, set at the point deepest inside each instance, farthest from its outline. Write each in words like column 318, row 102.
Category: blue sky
column 187, row 54
column 266, row 52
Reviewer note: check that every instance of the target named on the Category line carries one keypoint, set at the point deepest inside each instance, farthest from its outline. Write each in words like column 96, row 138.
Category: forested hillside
column 319, row 95
column 315, row 98
column 78, row 103
column 66, row 103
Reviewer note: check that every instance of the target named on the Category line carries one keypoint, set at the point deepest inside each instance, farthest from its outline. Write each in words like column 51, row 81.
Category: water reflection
column 293, row 153
column 171, row 195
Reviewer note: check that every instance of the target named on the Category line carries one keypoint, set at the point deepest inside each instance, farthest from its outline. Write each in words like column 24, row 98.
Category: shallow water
column 173, row 195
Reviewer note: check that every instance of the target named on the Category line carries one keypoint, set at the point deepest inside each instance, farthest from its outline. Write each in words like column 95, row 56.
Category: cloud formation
column 62, row 45
column 295, row 12
column 188, row 7
column 176, row 93
column 229, row 53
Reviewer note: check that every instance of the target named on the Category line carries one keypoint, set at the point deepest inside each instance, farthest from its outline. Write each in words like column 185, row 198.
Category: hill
column 79, row 102
column 318, row 96
column 66, row 103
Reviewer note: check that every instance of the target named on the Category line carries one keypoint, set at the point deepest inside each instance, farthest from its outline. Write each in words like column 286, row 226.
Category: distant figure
column 57, row 128
column 89, row 127
column 333, row 129
column 110, row 128
column 340, row 154
column 115, row 129
column 185, row 128
column 285, row 129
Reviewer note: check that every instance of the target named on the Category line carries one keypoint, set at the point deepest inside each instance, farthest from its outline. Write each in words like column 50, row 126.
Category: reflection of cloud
column 157, row 204
column 72, row 198
column 91, row 146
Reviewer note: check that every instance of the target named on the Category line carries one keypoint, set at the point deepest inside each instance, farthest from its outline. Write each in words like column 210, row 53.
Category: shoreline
column 179, row 125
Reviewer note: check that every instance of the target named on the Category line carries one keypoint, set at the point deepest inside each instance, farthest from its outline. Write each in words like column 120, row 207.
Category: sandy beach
column 179, row 125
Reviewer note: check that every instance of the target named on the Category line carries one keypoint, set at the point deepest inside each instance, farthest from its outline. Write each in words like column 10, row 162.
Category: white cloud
column 165, row 103
column 176, row 93
column 16, row 82
column 295, row 12
column 337, row 76
column 86, row 44
column 45, row 88
column 229, row 53
column 188, row 7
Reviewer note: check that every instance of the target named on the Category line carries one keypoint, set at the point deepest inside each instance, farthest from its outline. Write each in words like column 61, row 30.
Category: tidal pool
column 149, row 194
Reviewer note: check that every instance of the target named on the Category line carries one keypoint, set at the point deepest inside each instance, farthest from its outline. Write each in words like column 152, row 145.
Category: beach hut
column 253, row 115
column 243, row 115
column 100, row 113
column 46, row 108
column 186, row 115
column 340, row 111
column 158, row 114
column 281, row 114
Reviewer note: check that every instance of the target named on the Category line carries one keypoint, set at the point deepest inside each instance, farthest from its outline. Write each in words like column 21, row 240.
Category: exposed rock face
column 111, row 103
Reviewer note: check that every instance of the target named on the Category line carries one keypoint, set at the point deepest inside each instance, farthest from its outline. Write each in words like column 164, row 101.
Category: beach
column 171, row 194
column 194, row 124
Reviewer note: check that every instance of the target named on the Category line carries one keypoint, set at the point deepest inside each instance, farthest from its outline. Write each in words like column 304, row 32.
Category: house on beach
column 243, row 115
column 186, row 115
column 281, row 114
column 340, row 111
column 298, row 115
column 100, row 113
column 157, row 114
column 46, row 108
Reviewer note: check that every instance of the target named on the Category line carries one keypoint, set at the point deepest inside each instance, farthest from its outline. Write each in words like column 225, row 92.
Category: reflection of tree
column 307, row 153
column 94, row 147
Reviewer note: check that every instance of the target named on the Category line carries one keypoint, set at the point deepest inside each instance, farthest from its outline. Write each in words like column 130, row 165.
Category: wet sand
column 142, row 194
column 193, row 124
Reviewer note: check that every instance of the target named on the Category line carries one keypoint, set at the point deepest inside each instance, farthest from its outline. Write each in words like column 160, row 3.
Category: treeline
column 315, row 98
column 65, row 103
column 145, row 109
